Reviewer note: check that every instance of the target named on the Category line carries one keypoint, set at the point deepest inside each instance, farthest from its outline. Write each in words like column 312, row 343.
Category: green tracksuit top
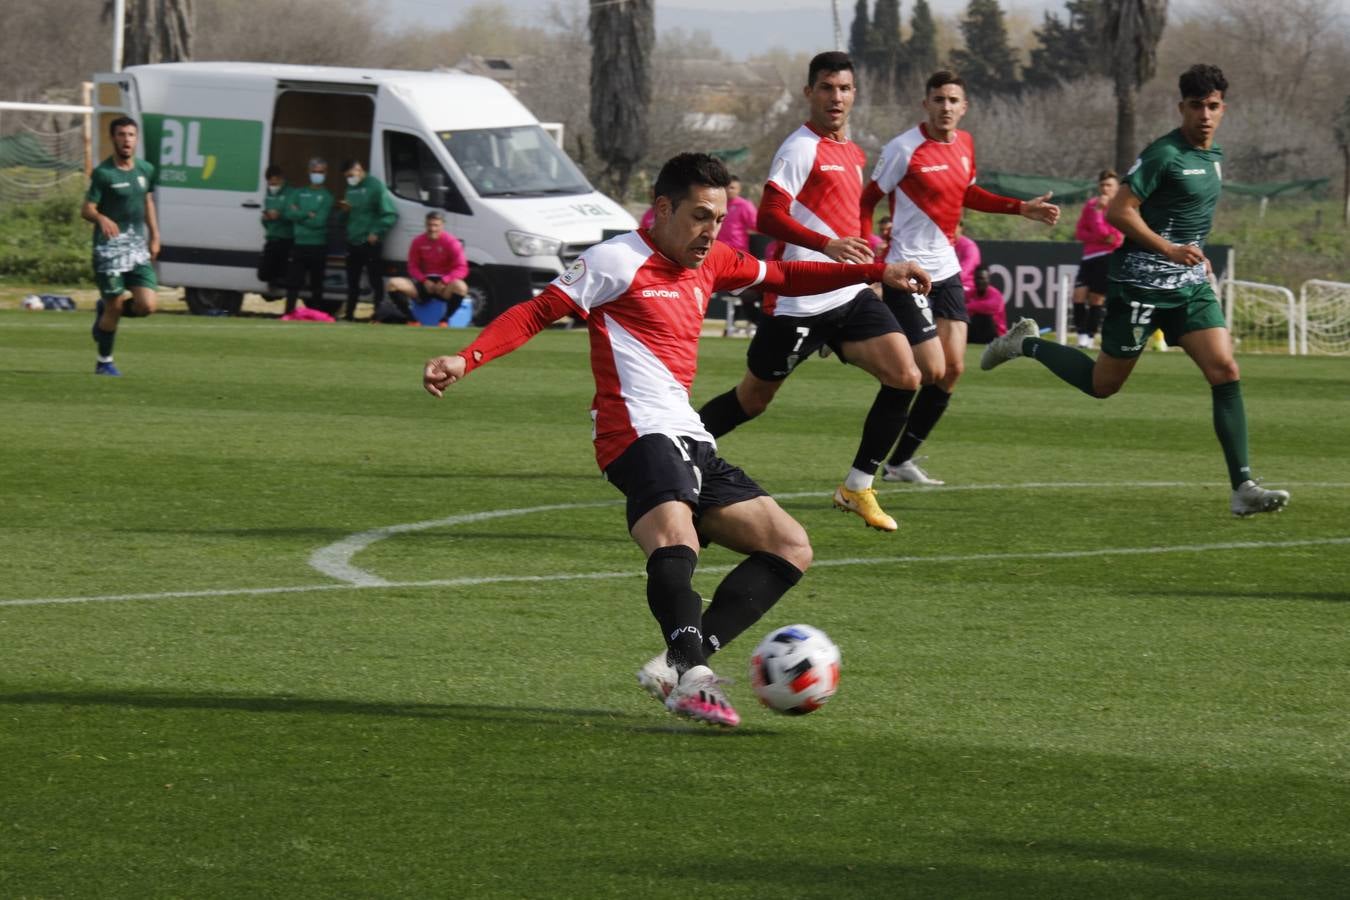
column 308, row 210
column 282, row 229
column 372, row 210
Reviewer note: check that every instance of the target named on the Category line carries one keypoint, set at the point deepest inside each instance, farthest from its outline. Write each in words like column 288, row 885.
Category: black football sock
column 928, row 408
column 723, row 413
column 1079, row 317
column 744, row 596
column 885, row 421
column 1094, row 319
column 677, row 607
column 452, row 306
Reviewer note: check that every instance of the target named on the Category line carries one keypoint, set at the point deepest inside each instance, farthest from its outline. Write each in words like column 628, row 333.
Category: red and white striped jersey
column 645, row 314
column 926, row 183
column 824, row 178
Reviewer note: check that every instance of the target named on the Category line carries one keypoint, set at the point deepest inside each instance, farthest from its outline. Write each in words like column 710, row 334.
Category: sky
column 742, row 28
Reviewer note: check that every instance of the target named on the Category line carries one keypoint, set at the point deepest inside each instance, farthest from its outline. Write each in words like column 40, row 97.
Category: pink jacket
column 1096, row 234
column 968, row 256
column 990, row 304
column 740, row 221
column 445, row 258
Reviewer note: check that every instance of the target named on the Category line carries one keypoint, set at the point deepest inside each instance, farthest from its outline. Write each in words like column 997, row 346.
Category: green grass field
column 1070, row 674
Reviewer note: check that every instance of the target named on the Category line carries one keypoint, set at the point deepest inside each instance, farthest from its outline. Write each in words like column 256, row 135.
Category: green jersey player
column 121, row 207
column 1160, row 280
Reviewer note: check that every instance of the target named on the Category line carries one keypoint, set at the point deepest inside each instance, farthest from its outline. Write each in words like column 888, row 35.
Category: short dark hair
column 1201, row 80
column 829, row 61
column 274, row 171
column 348, row 164
column 435, row 214
column 121, row 122
column 682, row 172
column 941, row 77
column 883, row 220
column 1107, row 173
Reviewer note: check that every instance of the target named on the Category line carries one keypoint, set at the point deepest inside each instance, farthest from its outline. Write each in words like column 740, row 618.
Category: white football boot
column 1008, row 346
column 909, row 471
column 1250, row 498
column 658, row 677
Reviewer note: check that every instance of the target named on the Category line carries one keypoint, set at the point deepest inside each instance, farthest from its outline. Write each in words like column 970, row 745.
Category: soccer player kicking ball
column 643, row 296
column 1159, row 280
column 126, row 238
column 928, row 175
column 810, row 203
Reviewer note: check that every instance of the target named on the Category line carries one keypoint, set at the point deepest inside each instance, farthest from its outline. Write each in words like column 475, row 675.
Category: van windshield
column 522, row 161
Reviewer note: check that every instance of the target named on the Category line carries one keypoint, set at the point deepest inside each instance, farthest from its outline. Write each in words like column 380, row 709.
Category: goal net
column 1262, row 318
column 1324, row 314
column 41, row 155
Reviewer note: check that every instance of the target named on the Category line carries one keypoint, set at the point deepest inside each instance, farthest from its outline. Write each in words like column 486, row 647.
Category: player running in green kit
column 121, row 207
column 1160, row 279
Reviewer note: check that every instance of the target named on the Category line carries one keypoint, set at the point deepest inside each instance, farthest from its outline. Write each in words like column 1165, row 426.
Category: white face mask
column 274, row 189
column 353, row 181
column 317, row 177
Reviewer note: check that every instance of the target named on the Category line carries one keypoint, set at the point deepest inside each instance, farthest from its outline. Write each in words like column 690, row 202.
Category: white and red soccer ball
column 795, row 670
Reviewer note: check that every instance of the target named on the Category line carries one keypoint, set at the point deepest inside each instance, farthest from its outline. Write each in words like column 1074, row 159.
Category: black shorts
column 657, row 468
column 1092, row 274
column 781, row 342
column 423, row 295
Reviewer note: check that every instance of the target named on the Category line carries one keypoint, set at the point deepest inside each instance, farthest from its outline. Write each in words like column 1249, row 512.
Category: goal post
column 1324, row 317
column 1262, row 318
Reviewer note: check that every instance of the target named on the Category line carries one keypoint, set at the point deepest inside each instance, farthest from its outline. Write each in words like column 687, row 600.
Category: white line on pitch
column 335, row 560
column 470, row 581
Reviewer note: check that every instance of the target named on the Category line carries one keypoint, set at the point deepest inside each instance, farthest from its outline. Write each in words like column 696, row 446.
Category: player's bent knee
column 755, row 396
column 1223, row 372
column 794, row 546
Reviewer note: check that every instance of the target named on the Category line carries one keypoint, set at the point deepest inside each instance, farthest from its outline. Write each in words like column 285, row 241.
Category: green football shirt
column 120, row 195
column 1178, row 187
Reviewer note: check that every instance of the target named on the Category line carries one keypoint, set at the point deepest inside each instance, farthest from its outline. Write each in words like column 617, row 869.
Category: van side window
column 415, row 174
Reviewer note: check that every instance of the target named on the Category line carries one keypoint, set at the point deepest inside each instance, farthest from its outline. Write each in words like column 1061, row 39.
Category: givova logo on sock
column 206, row 154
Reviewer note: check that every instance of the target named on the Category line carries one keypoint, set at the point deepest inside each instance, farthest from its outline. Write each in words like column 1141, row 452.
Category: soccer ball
column 794, row 670
column 33, row 301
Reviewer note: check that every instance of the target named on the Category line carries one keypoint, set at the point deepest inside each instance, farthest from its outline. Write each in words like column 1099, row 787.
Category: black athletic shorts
column 1092, row 274
column 423, row 295
column 781, row 342
column 657, row 467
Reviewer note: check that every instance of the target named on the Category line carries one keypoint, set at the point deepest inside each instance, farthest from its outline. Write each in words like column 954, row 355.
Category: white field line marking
column 471, row 581
column 335, row 560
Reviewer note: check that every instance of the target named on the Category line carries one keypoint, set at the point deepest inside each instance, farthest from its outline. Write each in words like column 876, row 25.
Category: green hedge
column 46, row 240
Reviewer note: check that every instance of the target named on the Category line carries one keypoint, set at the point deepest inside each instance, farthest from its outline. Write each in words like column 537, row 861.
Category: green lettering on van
column 207, row 154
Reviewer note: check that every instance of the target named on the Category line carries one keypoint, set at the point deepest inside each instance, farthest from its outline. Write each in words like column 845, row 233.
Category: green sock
column 1230, row 424
column 1070, row 364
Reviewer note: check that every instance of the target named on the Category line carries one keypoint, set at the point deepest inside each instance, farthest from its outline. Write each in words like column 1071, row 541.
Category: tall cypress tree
column 986, row 62
column 885, row 46
column 921, row 57
column 1069, row 50
column 857, row 34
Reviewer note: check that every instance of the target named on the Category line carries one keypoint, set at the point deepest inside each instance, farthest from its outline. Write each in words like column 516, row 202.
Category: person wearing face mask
column 308, row 211
column 370, row 214
column 278, row 231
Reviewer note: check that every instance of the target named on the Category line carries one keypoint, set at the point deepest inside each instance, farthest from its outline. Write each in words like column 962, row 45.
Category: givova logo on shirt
column 207, row 154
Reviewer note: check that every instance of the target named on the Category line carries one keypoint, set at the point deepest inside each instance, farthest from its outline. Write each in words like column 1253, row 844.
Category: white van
column 449, row 141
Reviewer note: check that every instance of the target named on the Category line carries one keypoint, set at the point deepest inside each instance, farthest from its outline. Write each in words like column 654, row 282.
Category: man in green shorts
column 121, row 207
column 1160, row 280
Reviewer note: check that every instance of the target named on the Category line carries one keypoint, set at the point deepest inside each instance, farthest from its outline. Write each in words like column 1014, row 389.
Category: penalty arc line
column 470, row 581
column 335, row 560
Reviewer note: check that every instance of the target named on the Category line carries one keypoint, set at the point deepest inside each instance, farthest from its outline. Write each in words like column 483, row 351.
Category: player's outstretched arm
column 506, row 332
column 1124, row 214
column 1041, row 209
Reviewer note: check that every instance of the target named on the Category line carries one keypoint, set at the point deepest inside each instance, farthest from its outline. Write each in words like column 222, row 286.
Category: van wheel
column 479, row 299
column 213, row 302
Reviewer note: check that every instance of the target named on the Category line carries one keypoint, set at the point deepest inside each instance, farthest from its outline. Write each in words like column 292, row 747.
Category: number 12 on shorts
column 1141, row 313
